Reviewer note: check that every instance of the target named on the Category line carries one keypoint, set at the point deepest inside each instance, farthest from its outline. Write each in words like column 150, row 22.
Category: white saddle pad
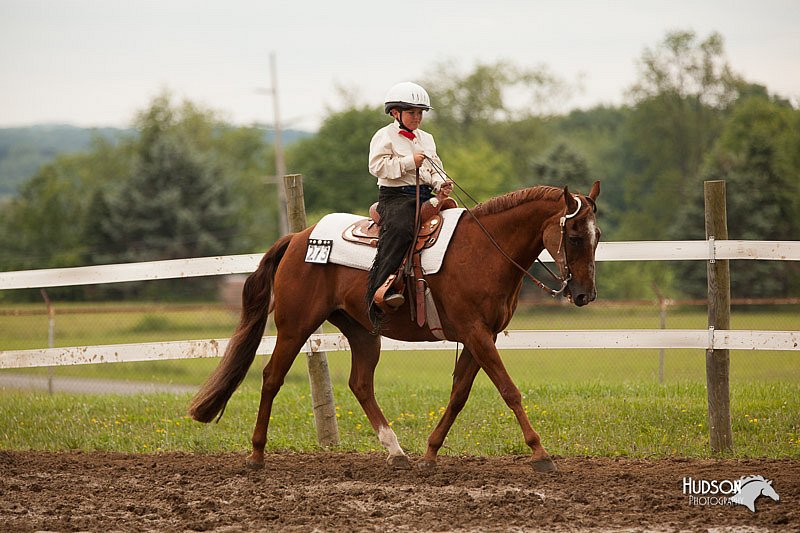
column 360, row 256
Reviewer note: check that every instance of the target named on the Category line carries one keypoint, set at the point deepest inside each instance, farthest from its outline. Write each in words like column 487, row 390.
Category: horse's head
column 571, row 238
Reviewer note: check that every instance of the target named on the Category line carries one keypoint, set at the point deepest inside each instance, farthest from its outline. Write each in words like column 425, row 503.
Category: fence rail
column 334, row 342
column 246, row 263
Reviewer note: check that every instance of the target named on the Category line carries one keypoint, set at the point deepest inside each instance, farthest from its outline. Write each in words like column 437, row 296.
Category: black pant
column 396, row 206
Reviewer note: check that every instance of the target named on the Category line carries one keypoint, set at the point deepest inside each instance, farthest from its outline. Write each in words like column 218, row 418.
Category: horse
column 475, row 291
column 751, row 488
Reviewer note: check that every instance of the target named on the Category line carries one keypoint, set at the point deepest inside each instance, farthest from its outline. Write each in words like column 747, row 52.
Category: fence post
column 318, row 373
column 719, row 317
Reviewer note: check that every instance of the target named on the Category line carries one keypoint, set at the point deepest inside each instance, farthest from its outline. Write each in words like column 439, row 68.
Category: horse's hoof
column 254, row 464
column 544, row 466
column 399, row 462
column 426, row 465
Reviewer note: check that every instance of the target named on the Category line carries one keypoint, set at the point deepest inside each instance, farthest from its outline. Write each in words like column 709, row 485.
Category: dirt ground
column 42, row 491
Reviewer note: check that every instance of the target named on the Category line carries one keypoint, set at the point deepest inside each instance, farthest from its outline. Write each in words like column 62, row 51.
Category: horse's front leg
column 481, row 344
column 463, row 377
column 362, row 379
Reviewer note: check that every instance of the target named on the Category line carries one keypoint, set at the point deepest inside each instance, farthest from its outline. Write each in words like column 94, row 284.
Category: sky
column 97, row 63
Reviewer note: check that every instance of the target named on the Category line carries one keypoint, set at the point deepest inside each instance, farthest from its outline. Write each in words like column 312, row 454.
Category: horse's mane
column 515, row 198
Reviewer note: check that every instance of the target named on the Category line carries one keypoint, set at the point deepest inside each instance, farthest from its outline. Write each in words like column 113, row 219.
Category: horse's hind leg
column 463, row 377
column 366, row 349
column 274, row 374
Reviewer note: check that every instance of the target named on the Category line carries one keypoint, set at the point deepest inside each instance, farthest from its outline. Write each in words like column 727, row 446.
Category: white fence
column 237, row 264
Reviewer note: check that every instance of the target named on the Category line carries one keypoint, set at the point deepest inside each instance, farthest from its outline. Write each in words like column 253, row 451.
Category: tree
column 44, row 224
column 684, row 88
column 683, row 67
column 596, row 136
column 563, row 166
column 246, row 160
column 467, row 104
column 185, row 184
column 478, row 170
column 174, row 204
column 758, row 156
column 499, row 105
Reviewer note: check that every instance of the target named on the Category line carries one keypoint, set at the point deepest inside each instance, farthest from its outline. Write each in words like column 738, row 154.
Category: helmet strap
column 400, row 120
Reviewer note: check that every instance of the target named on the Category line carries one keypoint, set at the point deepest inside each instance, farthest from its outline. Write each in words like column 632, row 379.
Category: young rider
column 397, row 153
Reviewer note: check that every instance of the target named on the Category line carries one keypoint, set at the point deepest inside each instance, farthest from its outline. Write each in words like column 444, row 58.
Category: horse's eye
column 575, row 241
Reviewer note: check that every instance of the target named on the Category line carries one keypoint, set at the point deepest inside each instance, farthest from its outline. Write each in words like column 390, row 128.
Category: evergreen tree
column 175, row 204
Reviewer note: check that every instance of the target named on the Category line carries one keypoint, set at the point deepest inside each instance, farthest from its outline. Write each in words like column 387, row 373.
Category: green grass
column 583, row 402
column 636, row 420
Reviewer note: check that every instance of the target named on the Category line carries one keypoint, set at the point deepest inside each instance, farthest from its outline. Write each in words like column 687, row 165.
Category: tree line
column 188, row 184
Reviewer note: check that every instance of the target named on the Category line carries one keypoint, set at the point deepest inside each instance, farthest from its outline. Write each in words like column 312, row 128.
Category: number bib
column 319, row 251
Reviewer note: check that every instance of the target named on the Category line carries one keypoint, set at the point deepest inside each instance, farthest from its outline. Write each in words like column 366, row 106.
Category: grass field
column 637, row 420
column 583, row 402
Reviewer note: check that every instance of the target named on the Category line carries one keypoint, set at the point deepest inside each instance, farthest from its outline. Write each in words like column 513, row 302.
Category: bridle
column 562, row 222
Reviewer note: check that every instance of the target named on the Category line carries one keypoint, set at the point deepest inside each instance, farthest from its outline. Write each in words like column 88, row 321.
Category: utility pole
column 280, row 163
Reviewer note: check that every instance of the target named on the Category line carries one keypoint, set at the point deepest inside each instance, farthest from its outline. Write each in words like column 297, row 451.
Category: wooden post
column 719, row 317
column 318, row 373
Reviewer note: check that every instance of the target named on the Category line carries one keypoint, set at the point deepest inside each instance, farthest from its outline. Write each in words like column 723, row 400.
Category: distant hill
column 24, row 150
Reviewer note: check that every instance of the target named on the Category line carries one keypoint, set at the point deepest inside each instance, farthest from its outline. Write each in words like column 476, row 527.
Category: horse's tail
column 213, row 396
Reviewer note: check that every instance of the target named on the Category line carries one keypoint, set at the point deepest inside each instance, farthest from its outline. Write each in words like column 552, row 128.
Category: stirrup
column 388, row 304
column 394, row 301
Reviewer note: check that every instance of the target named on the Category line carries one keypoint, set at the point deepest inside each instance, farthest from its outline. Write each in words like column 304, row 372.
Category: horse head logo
column 751, row 487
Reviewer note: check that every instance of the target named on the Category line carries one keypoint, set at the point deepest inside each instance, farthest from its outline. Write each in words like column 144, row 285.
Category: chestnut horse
column 475, row 292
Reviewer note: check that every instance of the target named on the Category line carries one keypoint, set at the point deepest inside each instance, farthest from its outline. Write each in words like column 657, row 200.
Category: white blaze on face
column 592, row 231
column 389, row 441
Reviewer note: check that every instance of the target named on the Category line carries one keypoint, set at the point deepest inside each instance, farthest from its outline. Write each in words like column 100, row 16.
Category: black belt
column 410, row 190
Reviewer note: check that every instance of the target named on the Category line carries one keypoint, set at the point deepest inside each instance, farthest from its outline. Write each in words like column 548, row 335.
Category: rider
column 397, row 152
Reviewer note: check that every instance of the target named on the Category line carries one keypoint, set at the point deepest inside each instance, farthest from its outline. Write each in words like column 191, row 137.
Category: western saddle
column 366, row 232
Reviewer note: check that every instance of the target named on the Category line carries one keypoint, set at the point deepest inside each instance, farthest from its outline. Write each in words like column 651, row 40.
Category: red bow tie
column 408, row 135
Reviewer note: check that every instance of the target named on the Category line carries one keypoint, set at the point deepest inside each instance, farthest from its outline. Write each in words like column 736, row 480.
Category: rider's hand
column 419, row 157
column 446, row 188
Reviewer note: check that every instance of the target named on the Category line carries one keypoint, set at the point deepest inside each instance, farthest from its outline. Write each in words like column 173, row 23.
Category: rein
column 562, row 221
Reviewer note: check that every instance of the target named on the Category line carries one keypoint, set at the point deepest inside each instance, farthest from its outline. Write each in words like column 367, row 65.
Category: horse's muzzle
column 580, row 296
column 583, row 299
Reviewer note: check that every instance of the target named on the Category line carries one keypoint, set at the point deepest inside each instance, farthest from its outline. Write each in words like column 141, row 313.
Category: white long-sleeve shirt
column 391, row 158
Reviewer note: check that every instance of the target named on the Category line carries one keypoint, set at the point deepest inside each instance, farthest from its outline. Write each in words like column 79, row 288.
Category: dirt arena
column 42, row 491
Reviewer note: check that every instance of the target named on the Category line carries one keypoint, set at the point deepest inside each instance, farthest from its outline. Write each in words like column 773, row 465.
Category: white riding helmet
column 407, row 95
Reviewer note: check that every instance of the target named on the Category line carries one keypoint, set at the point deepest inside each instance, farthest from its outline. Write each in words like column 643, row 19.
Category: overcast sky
column 98, row 62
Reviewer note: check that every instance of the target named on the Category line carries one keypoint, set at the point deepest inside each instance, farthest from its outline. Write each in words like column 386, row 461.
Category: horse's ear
column 595, row 192
column 572, row 203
